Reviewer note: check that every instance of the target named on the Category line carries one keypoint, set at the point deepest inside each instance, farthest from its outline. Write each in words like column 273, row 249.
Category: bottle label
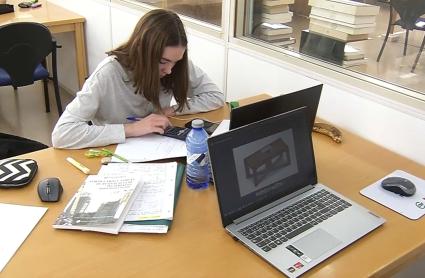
column 200, row 158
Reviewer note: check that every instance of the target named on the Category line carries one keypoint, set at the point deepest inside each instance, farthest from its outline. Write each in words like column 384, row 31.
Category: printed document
column 152, row 229
column 150, row 147
column 101, row 204
column 155, row 199
column 17, row 223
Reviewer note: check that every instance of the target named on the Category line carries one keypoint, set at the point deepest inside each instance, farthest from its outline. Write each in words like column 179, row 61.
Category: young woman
column 138, row 79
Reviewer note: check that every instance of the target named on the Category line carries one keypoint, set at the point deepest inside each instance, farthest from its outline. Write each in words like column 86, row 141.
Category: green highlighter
column 234, row 104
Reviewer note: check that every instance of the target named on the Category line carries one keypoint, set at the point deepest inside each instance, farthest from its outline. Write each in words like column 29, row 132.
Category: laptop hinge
column 271, row 205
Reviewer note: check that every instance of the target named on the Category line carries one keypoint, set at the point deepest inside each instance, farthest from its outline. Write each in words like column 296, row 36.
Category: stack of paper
column 277, row 18
column 353, row 56
column 101, row 204
column 150, row 147
column 275, row 32
column 125, row 197
column 275, row 13
column 153, row 209
column 17, row 223
column 342, row 19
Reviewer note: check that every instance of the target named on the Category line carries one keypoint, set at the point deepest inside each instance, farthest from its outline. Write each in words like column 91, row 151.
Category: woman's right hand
column 153, row 123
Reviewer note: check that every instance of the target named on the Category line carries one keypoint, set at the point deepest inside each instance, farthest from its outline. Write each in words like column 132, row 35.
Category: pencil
column 78, row 165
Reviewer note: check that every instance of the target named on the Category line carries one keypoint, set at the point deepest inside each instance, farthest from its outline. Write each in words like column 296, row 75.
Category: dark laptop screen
column 274, row 106
column 261, row 162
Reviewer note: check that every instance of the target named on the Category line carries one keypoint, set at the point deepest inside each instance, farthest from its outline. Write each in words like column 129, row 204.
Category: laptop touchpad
column 316, row 243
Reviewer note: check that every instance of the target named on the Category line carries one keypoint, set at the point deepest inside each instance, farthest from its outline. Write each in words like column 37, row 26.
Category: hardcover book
column 345, row 6
column 275, row 29
column 285, row 42
column 352, row 63
column 347, row 18
column 101, row 204
column 342, row 28
column 316, row 28
column 277, row 18
column 272, row 3
column 276, row 9
column 275, row 38
column 352, row 53
column 353, row 26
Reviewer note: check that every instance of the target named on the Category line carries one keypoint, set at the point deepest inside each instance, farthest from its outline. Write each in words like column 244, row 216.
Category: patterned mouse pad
column 412, row 207
column 16, row 172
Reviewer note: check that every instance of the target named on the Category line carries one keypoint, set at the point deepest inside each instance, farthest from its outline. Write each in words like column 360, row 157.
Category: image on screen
column 265, row 161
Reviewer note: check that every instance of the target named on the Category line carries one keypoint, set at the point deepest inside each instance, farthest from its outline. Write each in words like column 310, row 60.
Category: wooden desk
column 58, row 20
column 197, row 245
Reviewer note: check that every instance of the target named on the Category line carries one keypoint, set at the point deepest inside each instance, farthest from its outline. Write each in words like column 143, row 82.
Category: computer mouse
column 50, row 190
column 399, row 185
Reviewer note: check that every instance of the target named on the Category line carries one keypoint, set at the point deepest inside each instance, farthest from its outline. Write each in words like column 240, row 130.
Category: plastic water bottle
column 197, row 169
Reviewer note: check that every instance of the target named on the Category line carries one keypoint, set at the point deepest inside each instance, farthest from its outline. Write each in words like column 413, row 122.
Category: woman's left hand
column 169, row 111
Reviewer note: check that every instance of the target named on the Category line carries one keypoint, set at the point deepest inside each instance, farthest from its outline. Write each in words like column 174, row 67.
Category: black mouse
column 50, row 190
column 399, row 185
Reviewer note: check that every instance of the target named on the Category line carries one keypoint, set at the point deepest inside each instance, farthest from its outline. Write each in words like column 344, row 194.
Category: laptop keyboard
column 291, row 221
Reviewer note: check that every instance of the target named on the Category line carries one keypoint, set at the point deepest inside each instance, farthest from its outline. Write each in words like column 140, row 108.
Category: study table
column 58, row 20
column 197, row 245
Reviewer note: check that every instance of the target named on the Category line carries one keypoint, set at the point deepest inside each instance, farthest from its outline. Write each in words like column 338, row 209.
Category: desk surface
column 48, row 14
column 197, row 245
column 58, row 20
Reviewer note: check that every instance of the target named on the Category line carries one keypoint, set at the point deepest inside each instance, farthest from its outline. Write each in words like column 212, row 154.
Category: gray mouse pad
column 316, row 243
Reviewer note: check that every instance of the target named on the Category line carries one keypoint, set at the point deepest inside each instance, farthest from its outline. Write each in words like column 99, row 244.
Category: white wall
column 340, row 104
column 98, row 39
column 204, row 51
column 249, row 75
column 242, row 73
column 209, row 54
column 123, row 20
column 393, row 129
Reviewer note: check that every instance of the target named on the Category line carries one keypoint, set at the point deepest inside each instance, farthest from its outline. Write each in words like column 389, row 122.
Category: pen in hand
column 133, row 118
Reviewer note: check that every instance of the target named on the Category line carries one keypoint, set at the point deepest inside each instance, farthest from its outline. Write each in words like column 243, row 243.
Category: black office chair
column 11, row 145
column 410, row 12
column 23, row 50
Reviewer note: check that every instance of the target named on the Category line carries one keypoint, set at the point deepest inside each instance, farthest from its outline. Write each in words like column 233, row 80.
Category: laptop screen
column 259, row 163
column 274, row 106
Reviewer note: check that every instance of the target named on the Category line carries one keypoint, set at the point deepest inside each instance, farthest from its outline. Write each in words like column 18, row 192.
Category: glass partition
column 204, row 10
column 344, row 33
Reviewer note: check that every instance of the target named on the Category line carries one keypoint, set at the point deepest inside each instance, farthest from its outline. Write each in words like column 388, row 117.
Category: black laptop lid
column 274, row 106
column 259, row 163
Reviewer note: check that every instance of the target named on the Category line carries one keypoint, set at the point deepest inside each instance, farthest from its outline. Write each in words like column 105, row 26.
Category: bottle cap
column 197, row 123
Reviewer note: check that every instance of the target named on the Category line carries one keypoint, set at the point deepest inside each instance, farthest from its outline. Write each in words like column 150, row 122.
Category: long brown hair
column 141, row 55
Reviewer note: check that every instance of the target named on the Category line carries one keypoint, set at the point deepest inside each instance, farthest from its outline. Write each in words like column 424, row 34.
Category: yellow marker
column 78, row 165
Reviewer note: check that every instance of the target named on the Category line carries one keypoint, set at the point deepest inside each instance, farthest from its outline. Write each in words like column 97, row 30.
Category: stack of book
column 353, row 56
column 343, row 20
column 275, row 15
column 125, row 197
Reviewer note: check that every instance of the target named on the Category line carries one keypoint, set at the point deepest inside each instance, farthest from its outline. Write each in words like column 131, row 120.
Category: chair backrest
column 23, row 46
column 409, row 11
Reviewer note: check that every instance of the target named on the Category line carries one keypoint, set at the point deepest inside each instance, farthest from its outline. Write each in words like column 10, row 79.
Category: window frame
column 239, row 37
column 231, row 33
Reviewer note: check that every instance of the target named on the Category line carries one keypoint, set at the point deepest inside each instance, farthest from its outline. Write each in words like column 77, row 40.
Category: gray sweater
column 108, row 97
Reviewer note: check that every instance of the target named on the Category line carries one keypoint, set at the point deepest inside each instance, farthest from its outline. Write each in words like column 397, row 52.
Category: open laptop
column 269, row 198
column 277, row 105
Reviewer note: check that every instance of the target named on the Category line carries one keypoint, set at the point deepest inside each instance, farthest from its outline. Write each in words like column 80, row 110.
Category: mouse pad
column 413, row 207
